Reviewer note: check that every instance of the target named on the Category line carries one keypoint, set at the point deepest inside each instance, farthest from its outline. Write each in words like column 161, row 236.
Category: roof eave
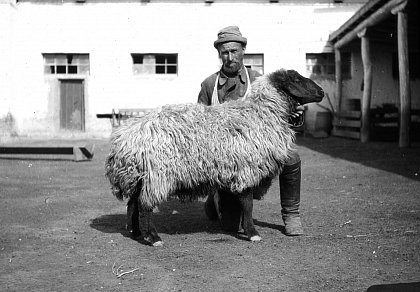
column 368, row 15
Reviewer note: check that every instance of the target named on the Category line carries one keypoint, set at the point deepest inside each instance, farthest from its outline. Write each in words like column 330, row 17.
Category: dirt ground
column 62, row 230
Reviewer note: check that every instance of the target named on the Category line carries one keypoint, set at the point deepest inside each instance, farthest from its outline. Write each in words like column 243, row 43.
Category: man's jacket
column 208, row 85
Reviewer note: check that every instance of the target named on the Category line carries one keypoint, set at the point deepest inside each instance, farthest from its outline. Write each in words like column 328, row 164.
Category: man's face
column 232, row 55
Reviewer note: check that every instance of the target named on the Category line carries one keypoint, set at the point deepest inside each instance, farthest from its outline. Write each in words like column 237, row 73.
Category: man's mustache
column 232, row 63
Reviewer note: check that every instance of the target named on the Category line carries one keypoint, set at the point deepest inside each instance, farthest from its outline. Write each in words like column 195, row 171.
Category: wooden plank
column 115, row 119
column 133, row 111
column 77, row 153
column 382, row 111
column 385, row 120
column 346, row 134
column 121, row 114
column 36, row 150
column 348, row 114
column 104, row 116
column 347, row 123
column 83, row 153
column 72, row 114
column 405, row 98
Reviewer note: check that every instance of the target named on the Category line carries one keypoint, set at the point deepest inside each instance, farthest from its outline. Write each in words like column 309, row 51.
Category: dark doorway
column 72, row 104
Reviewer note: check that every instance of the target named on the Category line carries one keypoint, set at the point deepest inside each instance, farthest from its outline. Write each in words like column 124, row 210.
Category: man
column 230, row 83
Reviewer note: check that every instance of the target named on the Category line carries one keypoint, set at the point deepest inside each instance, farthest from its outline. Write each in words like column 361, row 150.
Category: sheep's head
column 302, row 90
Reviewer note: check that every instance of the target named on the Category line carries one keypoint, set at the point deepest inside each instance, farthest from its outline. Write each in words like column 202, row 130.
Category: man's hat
column 229, row 34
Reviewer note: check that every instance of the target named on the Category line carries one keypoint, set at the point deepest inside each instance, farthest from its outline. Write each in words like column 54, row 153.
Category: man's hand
column 299, row 109
column 296, row 118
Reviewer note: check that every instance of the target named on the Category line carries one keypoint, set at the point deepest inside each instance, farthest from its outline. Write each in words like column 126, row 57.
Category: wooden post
column 405, row 98
column 114, row 118
column 338, row 79
column 367, row 87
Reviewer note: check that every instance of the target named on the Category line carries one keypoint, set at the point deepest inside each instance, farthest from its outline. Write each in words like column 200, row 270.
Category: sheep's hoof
column 136, row 236
column 151, row 242
column 158, row 243
column 255, row 238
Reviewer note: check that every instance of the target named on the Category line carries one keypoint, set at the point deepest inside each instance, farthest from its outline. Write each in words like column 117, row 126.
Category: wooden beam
column 352, row 21
column 348, row 114
column 346, row 123
column 374, row 18
column 338, row 79
column 403, row 67
column 77, row 153
column 399, row 8
column 36, row 150
column 362, row 33
column 367, row 88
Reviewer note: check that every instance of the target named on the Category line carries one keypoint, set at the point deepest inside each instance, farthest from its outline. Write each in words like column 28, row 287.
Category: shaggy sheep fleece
column 191, row 149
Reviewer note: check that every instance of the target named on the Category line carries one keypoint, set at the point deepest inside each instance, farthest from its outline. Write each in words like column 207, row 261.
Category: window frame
column 325, row 64
column 254, row 65
column 155, row 64
column 69, row 64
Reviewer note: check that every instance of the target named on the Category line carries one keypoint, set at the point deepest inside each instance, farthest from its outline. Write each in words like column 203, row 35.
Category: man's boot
column 290, row 179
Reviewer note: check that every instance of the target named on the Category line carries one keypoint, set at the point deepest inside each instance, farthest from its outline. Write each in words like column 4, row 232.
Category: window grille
column 67, row 64
column 255, row 62
column 150, row 64
column 322, row 65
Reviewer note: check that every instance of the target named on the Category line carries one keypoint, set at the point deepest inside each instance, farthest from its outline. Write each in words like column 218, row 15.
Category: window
column 413, row 65
column 255, row 62
column 322, row 65
column 150, row 64
column 66, row 64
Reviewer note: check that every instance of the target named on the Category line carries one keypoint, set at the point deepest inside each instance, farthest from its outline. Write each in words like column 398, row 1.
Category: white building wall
column 385, row 88
column 7, row 17
column 110, row 32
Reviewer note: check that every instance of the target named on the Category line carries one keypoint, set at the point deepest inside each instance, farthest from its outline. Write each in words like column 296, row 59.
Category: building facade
column 64, row 62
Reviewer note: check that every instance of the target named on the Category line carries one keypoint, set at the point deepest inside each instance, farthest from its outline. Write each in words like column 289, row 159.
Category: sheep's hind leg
column 133, row 225
column 148, row 229
column 248, row 223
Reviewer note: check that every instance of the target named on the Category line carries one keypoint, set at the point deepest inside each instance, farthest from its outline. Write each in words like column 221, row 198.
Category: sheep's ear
column 278, row 78
column 294, row 76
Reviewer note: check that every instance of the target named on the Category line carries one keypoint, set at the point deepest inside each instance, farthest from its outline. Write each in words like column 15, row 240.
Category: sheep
column 191, row 150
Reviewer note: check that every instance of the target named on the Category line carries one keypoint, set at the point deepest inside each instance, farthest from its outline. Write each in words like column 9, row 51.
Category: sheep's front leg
column 246, row 200
column 147, row 228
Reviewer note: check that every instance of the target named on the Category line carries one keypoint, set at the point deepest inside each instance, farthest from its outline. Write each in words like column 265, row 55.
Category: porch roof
column 376, row 15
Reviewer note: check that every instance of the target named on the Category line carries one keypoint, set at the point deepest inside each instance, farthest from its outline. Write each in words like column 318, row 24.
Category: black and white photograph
column 210, row 145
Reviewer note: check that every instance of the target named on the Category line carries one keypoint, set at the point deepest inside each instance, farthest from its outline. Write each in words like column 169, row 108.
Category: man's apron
column 215, row 97
column 215, row 100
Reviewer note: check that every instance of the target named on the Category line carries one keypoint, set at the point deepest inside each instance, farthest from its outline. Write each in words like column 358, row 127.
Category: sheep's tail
column 109, row 173
column 123, row 173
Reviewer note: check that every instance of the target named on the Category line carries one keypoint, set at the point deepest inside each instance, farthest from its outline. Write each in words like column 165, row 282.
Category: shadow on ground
column 175, row 217
column 270, row 225
column 381, row 155
column 171, row 217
